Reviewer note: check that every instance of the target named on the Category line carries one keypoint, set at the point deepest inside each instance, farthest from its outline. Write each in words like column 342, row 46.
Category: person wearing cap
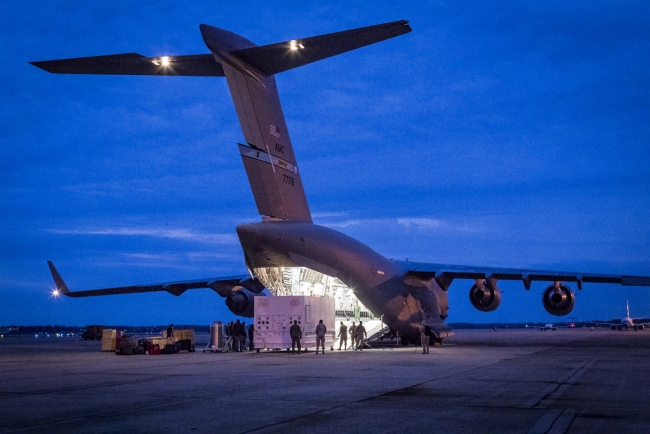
column 424, row 338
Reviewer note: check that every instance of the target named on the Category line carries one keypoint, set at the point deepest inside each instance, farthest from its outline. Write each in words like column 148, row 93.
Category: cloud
column 421, row 222
column 175, row 234
column 427, row 223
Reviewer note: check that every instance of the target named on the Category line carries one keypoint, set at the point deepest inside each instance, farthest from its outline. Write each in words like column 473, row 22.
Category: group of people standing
column 296, row 334
column 357, row 336
column 237, row 331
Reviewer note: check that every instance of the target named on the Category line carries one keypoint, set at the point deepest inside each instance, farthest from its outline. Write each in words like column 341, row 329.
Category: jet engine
column 241, row 302
column 558, row 299
column 485, row 295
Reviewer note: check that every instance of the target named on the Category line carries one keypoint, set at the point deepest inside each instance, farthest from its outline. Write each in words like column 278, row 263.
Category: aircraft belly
column 375, row 280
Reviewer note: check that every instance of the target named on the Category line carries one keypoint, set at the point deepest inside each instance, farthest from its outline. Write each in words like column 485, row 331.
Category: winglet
column 58, row 281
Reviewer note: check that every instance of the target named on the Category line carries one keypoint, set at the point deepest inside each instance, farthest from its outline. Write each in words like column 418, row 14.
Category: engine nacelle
column 641, row 327
column 484, row 296
column 558, row 299
column 241, row 302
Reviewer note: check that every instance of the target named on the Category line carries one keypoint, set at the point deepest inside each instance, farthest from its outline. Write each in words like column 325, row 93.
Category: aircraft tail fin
column 268, row 157
column 61, row 287
column 627, row 307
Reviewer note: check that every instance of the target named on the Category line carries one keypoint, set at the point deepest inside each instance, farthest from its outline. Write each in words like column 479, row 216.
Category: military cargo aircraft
column 286, row 253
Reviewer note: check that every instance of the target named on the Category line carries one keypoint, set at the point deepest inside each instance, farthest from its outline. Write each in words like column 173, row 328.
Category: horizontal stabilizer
column 275, row 58
column 203, row 65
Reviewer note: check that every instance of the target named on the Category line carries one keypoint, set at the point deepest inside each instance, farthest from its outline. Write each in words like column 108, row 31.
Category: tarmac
column 483, row 381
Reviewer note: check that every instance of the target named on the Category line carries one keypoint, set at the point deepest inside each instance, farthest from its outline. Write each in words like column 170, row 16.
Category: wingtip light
column 294, row 45
column 162, row 61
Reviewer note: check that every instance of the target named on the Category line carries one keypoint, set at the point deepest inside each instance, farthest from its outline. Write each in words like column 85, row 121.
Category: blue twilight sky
column 507, row 133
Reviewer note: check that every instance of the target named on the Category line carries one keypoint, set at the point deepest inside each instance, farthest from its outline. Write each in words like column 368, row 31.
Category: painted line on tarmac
column 550, row 393
column 554, row 421
column 547, row 401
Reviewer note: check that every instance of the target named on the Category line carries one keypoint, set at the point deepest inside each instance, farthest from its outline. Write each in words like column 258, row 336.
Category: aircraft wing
column 222, row 285
column 201, row 65
column 445, row 274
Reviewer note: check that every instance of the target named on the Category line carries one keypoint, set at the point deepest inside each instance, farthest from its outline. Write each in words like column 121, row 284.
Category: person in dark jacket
column 170, row 331
column 251, row 335
column 296, row 335
column 244, row 334
column 320, row 335
column 238, row 335
column 360, row 334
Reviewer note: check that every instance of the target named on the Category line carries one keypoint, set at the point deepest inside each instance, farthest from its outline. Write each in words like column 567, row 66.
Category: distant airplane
column 548, row 326
column 627, row 322
column 286, row 253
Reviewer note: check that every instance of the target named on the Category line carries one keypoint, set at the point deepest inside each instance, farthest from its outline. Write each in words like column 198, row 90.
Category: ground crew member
column 296, row 335
column 170, row 331
column 361, row 332
column 320, row 335
column 353, row 336
column 343, row 336
column 243, row 335
column 239, row 334
column 251, row 335
column 424, row 337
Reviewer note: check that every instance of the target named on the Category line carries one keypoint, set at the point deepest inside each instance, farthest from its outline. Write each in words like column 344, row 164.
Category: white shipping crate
column 275, row 315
